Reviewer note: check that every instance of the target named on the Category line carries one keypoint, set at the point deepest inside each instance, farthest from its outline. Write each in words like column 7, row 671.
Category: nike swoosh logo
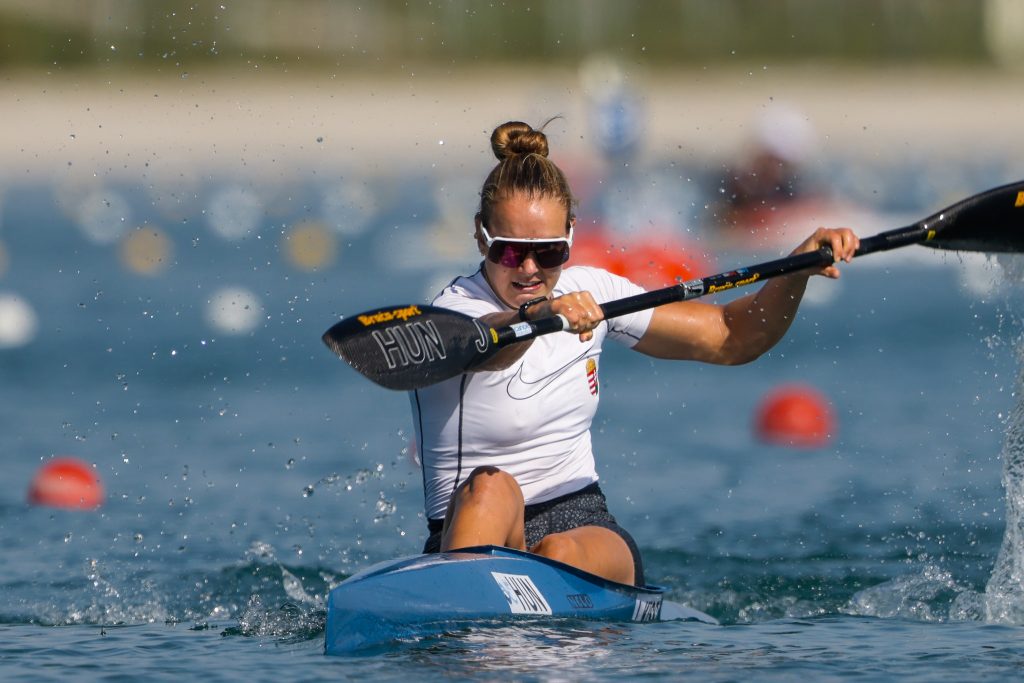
column 520, row 388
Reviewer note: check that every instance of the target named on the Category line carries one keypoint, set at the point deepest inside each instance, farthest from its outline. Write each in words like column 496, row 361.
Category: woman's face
column 523, row 217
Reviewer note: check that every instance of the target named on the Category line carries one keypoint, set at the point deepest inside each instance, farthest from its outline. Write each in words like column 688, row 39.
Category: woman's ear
column 480, row 245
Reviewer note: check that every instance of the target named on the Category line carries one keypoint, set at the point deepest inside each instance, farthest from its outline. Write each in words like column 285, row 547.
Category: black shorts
column 586, row 507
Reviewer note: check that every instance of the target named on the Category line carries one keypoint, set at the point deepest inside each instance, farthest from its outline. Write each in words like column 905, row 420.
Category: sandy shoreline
column 267, row 124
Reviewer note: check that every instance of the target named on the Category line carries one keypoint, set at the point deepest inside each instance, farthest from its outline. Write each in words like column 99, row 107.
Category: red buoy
column 66, row 483
column 795, row 415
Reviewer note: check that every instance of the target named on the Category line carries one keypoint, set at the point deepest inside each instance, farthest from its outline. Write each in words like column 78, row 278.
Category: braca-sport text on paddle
column 411, row 346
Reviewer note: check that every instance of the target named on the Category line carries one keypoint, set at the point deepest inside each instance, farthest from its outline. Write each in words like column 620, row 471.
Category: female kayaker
column 506, row 448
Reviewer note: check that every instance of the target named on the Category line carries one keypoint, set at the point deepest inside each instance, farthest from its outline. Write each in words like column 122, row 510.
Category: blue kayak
column 423, row 595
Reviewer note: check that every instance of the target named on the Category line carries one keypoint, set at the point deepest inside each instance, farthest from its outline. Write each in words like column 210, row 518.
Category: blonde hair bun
column 516, row 138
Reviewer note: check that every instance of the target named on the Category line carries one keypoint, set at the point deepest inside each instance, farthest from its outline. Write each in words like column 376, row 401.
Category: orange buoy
column 651, row 261
column 795, row 415
column 66, row 483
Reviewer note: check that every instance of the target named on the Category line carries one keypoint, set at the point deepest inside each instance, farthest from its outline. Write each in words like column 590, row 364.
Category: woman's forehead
column 531, row 205
column 528, row 217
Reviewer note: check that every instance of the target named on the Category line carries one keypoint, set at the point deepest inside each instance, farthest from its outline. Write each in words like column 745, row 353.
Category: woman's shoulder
column 468, row 294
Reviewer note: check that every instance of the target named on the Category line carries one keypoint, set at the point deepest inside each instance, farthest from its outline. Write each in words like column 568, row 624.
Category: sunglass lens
column 507, row 254
column 512, row 254
column 552, row 256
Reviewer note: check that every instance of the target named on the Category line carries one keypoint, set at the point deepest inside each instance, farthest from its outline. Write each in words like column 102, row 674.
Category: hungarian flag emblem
column 592, row 375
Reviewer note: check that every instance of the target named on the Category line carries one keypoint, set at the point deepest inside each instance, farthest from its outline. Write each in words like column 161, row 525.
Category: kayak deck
column 422, row 595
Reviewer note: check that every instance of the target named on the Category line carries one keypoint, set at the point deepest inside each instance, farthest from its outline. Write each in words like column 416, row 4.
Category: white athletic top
column 531, row 420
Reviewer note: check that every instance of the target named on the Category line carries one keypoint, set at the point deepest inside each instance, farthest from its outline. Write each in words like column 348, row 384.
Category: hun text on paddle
column 413, row 343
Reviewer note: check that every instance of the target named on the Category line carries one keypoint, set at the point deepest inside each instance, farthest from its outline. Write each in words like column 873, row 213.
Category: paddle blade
column 409, row 347
column 992, row 221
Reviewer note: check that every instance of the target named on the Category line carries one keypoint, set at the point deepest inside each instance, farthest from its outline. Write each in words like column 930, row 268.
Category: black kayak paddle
column 412, row 346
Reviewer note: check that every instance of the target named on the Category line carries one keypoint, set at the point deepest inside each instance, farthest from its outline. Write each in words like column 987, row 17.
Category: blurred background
column 151, row 131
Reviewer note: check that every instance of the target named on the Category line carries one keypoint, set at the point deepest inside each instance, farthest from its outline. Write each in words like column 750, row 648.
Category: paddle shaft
column 411, row 346
column 693, row 289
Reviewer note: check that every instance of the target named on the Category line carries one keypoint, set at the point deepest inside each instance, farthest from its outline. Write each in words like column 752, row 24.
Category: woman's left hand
column 843, row 242
column 581, row 310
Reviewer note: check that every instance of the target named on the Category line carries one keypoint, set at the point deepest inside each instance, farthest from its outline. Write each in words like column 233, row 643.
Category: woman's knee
column 560, row 547
column 594, row 549
column 488, row 482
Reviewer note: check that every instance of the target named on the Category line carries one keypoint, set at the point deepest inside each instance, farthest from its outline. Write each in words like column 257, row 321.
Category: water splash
column 300, row 617
column 925, row 595
column 932, row 593
column 1003, row 601
column 345, row 483
column 1004, row 594
column 288, row 622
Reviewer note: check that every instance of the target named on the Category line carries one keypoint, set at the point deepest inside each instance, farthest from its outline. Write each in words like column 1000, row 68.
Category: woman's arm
column 741, row 330
column 579, row 308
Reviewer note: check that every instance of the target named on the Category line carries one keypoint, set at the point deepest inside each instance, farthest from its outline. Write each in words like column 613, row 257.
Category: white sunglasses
column 548, row 252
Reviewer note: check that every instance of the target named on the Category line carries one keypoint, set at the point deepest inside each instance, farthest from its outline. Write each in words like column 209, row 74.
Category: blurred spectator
column 768, row 175
column 614, row 108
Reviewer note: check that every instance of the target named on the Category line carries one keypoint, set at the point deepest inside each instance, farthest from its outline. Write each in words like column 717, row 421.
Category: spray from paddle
column 1004, row 593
